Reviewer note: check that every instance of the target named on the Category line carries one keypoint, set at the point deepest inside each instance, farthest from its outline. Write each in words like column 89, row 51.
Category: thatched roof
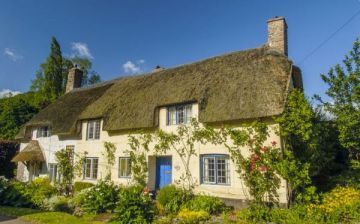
column 62, row 115
column 240, row 85
column 32, row 152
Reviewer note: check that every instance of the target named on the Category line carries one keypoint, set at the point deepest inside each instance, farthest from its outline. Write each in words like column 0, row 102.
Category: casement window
column 179, row 114
column 124, row 167
column 215, row 169
column 53, row 174
column 93, row 129
column 43, row 131
column 91, row 168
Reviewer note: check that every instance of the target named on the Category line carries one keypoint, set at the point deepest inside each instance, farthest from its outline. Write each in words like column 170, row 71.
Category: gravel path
column 9, row 220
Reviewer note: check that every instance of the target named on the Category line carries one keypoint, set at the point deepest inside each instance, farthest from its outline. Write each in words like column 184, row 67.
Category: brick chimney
column 277, row 34
column 74, row 79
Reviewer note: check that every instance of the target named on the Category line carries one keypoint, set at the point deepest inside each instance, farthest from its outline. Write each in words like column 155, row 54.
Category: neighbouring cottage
column 233, row 89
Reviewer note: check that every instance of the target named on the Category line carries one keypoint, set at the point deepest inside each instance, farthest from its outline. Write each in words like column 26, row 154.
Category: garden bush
column 57, row 204
column 172, row 198
column 134, row 206
column 40, row 189
column 211, row 205
column 79, row 186
column 100, row 198
column 14, row 193
column 186, row 216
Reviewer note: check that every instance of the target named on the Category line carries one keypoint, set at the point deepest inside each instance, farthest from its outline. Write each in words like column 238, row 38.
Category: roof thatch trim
column 240, row 85
column 32, row 152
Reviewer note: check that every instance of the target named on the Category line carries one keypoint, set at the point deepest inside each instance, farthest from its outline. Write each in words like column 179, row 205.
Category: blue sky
column 123, row 37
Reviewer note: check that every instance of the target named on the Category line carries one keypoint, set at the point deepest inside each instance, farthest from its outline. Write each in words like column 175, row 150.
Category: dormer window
column 93, row 129
column 179, row 114
column 43, row 131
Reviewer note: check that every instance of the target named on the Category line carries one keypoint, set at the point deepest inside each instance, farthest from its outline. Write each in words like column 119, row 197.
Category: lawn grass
column 42, row 217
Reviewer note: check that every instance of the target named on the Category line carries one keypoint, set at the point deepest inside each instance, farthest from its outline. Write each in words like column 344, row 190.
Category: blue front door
column 163, row 171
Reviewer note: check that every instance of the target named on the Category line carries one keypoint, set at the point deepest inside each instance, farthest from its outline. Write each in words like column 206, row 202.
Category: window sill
column 215, row 184
column 125, row 178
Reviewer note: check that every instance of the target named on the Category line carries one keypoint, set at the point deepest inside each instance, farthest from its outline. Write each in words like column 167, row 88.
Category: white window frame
column 93, row 130
column 216, row 179
column 43, row 132
column 127, row 166
column 92, row 175
column 179, row 114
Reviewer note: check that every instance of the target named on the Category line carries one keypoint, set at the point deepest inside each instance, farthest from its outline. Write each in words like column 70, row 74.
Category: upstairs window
column 93, row 129
column 215, row 169
column 180, row 114
column 43, row 132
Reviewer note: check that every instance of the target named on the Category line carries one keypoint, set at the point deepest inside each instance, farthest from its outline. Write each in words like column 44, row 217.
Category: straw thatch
column 62, row 115
column 32, row 152
column 240, row 85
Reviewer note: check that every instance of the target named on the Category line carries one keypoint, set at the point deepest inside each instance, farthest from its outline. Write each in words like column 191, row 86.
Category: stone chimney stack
column 277, row 34
column 74, row 79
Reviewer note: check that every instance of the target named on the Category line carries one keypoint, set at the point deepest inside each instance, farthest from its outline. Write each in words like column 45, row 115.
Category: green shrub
column 192, row 217
column 100, row 198
column 172, row 198
column 14, row 193
column 40, row 189
column 255, row 213
column 211, row 205
column 134, row 206
column 79, row 186
column 57, row 204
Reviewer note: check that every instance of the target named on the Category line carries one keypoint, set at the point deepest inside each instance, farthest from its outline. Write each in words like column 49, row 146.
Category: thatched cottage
column 234, row 88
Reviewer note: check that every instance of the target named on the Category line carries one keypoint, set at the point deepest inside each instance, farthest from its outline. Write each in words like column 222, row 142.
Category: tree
column 53, row 71
column 14, row 112
column 50, row 80
column 344, row 91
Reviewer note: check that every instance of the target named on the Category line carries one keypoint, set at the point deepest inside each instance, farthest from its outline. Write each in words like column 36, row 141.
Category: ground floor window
column 215, row 169
column 124, row 167
column 53, row 175
column 91, row 168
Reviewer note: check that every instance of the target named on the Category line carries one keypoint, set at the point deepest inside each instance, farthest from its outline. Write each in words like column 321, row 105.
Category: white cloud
column 8, row 93
column 81, row 50
column 141, row 61
column 11, row 54
column 132, row 68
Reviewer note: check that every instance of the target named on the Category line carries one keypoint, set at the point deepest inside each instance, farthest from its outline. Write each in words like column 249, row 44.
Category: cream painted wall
column 49, row 146
column 235, row 189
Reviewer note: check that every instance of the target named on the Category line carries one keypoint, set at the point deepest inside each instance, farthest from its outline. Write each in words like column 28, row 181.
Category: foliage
column 101, row 198
column 57, row 203
column 344, row 91
column 259, row 169
column 110, row 158
column 8, row 150
column 139, row 147
column 39, row 189
column 79, row 186
column 13, row 193
column 209, row 204
column 172, row 198
column 192, row 217
column 134, row 206
column 14, row 112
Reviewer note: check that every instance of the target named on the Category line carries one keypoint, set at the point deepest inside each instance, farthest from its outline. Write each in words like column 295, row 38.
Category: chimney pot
column 158, row 68
column 277, row 34
column 74, row 79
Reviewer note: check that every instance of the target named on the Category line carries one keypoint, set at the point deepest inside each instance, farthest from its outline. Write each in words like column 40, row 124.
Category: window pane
column 94, row 168
column 87, row 168
column 90, row 130
column 209, row 170
column 171, row 116
column 188, row 114
column 124, row 167
column 97, row 129
column 180, row 115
